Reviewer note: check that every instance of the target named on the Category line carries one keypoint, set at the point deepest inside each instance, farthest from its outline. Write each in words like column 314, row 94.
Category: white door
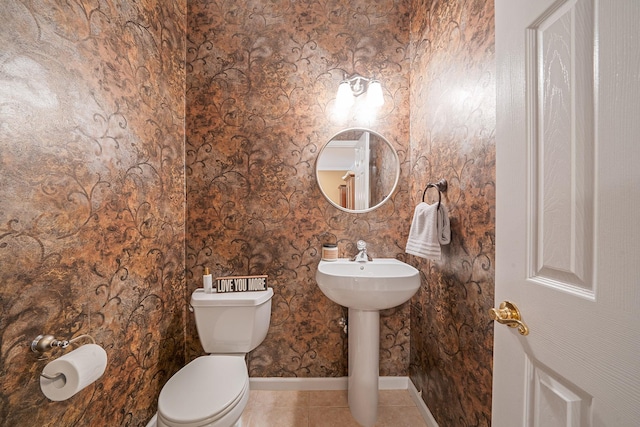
column 568, row 212
column 362, row 172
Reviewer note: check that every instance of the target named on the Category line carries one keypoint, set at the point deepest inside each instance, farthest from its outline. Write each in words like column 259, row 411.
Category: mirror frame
column 395, row 183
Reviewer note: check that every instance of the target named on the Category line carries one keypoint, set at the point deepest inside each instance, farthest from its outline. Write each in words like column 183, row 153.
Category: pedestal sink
column 366, row 288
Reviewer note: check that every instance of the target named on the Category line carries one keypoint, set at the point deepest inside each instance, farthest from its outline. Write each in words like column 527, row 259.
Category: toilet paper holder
column 43, row 343
column 49, row 377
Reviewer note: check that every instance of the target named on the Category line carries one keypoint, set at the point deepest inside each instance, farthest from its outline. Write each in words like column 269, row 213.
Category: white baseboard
column 334, row 383
column 422, row 407
column 153, row 421
column 393, row 383
column 301, row 384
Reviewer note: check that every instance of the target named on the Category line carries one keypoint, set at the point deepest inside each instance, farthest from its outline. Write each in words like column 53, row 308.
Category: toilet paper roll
column 79, row 368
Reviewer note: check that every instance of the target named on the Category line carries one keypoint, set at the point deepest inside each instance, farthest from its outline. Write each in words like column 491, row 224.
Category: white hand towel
column 430, row 228
column 444, row 225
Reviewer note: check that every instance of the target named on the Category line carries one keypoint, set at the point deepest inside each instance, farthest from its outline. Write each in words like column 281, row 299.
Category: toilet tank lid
column 230, row 299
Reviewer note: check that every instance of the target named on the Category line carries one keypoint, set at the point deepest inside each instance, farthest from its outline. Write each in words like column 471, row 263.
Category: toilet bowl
column 213, row 390
column 210, row 391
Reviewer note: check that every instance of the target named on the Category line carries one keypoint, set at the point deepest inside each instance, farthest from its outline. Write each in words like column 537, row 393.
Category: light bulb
column 375, row 98
column 344, row 98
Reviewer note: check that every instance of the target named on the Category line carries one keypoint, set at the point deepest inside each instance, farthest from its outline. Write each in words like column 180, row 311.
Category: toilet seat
column 204, row 391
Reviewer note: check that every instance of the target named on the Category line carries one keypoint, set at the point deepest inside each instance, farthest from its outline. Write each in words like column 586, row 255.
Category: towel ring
column 441, row 185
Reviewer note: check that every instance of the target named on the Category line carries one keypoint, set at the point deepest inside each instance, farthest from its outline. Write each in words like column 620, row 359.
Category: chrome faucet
column 362, row 255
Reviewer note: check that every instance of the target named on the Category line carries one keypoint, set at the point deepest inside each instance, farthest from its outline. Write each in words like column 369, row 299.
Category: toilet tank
column 231, row 322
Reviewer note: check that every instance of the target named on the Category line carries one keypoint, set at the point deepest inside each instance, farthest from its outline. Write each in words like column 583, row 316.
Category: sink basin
column 374, row 285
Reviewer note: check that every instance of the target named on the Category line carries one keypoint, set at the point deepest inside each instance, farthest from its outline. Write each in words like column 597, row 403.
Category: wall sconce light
column 356, row 85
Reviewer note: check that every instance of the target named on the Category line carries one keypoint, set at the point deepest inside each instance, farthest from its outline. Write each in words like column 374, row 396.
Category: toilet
column 213, row 390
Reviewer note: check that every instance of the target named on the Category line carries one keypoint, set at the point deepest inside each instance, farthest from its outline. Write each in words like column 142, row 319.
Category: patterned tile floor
column 325, row 409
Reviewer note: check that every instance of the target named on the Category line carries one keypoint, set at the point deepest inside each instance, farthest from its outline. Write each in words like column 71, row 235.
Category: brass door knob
column 508, row 314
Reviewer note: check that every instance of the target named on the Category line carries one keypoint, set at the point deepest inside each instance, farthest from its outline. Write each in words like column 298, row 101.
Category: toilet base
column 153, row 422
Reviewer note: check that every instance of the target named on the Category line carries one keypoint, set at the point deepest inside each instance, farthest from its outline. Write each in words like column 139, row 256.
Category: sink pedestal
column 364, row 350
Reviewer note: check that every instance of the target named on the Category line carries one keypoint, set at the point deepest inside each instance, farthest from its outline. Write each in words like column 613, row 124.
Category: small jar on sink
column 329, row 252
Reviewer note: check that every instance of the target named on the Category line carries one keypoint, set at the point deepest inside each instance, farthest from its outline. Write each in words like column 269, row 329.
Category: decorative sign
column 241, row 283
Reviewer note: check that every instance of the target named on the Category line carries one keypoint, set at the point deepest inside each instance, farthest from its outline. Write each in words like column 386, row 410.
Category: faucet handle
column 361, row 245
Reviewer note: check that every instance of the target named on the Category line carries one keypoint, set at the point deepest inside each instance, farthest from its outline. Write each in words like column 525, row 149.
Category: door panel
column 362, row 163
column 559, row 50
column 555, row 403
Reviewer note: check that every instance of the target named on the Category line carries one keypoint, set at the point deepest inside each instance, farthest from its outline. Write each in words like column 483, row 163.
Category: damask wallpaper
column 92, row 201
column 452, row 137
column 261, row 83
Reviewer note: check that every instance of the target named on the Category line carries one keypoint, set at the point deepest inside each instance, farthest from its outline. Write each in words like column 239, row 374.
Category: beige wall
column 331, row 181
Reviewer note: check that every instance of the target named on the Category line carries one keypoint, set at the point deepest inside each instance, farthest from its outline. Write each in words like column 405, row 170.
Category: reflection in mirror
column 357, row 170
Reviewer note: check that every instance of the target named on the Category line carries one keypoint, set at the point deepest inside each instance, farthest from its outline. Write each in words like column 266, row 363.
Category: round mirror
column 357, row 170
